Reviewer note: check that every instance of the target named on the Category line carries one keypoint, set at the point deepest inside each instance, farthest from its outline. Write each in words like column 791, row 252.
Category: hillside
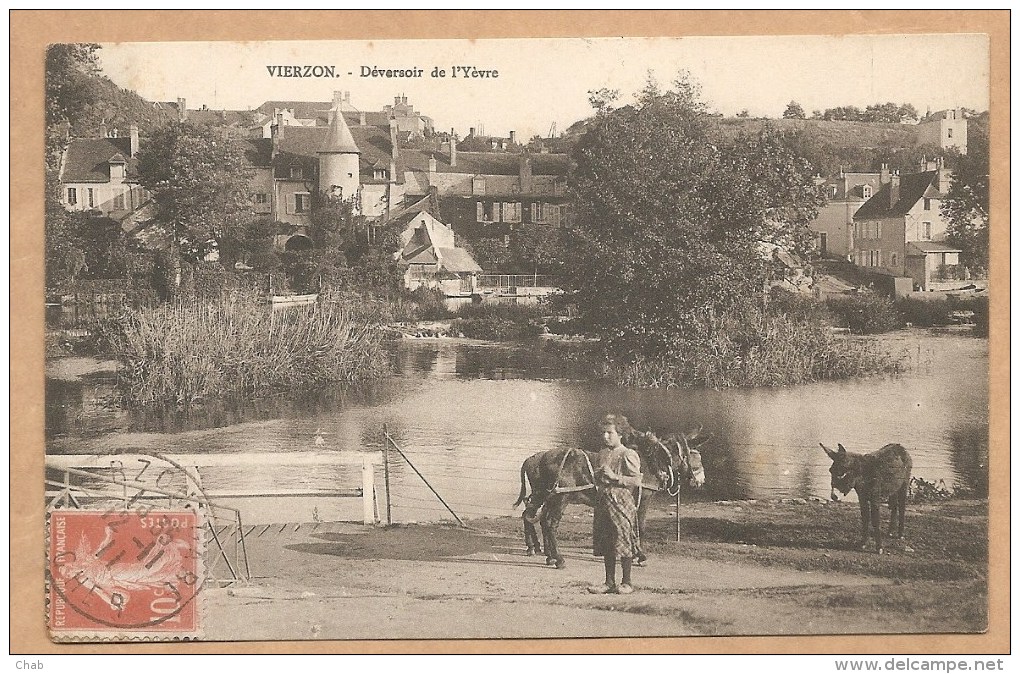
column 859, row 135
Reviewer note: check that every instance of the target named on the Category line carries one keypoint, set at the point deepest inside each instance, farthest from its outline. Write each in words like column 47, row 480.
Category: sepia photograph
column 516, row 338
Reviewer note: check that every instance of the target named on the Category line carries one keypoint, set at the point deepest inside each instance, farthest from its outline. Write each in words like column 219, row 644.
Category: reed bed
column 758, row 350
column 237, row 344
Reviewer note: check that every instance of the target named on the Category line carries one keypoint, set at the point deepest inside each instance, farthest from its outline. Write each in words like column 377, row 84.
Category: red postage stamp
column 124, row 574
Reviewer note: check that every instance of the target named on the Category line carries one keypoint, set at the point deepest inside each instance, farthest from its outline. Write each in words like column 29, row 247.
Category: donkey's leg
column 865, row 517
column 552, row 513
column 901, row 499
column 876, row 523
column 530, row 536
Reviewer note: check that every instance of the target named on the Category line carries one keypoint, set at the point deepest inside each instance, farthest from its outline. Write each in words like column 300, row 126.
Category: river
column 468, row 413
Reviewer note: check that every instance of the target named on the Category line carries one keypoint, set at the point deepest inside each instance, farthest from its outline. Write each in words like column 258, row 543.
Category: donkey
column 559, row 477
column 883, row 475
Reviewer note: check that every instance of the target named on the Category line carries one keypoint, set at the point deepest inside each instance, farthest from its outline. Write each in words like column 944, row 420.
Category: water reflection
column 467, row 414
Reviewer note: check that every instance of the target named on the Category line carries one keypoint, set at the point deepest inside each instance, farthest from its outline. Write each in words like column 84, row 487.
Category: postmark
column 126, row 568
column 124, row 572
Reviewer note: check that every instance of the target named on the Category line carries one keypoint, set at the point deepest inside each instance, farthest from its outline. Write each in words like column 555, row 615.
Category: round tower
column 339, row 160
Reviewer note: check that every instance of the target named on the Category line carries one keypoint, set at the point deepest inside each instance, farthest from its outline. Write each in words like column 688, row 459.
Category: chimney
column 471, row 131
column 403, row 99
column 338, row 97
column 396, row 100
column 395, row 153
column 133, row 132
column 393, row 171
column 883, row 176
column 361, row 119
column 347, row 96
column 513, row 137
column 526, row 173
column 102, row 129
column 894, row 189
column 453, row 148
column 279, row 125
column 182, row 109
column 432, row 170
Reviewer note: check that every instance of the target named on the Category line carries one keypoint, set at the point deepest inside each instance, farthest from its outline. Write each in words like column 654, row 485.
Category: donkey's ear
column 832, row 454
column 700, row 440
column 841, row 447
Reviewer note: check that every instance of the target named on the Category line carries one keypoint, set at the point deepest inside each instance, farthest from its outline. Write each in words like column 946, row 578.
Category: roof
column 87, row 159
column 924, row 247
column 338, row 137
column 485, row 163
column 457, row 260
column 301, row 144
column 913, row 187
column 220, row 117
column 302, row 109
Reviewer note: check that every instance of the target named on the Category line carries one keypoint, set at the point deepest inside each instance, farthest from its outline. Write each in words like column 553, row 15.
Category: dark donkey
column 559, row 477
column 883, row 475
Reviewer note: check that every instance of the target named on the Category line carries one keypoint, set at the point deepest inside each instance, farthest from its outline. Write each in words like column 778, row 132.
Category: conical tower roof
column 338, row 139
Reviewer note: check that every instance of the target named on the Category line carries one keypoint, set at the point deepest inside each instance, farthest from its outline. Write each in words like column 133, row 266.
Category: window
column 538, row 212
column 833, row 191
column 866, row 191
column 299, row 202
column 926, row 230
column 92, row 198
column 486, row 211
column 478, row 185
column 949, row 133
column 296, row 173
column 72, row 196
column 372, row 234
column 894, row 261
column 118, row 201
column 261, row 198
column 511, row 211
column 927, row 204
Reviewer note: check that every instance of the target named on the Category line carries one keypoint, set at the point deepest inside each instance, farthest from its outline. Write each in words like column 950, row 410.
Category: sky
column 546, row 81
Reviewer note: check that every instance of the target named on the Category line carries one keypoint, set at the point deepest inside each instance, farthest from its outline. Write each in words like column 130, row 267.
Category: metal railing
column 516, row 281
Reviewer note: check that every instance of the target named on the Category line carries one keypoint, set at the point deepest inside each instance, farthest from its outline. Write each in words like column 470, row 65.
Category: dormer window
column 296, row 173
column 866, row 191
column 478, row 185
column 379, row 174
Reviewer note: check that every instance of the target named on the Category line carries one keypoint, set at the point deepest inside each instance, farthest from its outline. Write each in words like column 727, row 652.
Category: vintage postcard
column 518, row 338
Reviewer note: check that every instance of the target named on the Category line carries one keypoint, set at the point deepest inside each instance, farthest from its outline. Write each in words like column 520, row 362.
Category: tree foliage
column 201, row 184
column 966, row 205
column 671, row 222
column 793, row 111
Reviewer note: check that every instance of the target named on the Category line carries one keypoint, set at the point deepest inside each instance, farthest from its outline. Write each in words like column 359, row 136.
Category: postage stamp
column 124, row 574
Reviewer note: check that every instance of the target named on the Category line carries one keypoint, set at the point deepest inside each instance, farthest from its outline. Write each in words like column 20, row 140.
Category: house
column 488, row 194
column 844, row 194
column 431, row 256
column 945, row 128
column 403, row 116
column 900, row 231
column 101, row 174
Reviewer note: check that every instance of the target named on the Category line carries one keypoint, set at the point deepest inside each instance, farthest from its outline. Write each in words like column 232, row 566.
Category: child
column 615, row 530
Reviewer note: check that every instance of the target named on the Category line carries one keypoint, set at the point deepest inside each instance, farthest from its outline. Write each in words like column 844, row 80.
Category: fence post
column 367, row 491
column 386, row 476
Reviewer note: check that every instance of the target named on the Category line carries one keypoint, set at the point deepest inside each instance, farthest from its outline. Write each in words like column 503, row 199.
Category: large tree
column 201, row 184
column 672, row 223
column 966, row 205
column 794, row 110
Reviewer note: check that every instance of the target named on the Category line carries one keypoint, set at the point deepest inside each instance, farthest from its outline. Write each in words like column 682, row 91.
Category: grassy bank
column 236, row 344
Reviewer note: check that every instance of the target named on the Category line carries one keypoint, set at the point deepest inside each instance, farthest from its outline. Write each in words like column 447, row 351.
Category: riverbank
column 742, row 568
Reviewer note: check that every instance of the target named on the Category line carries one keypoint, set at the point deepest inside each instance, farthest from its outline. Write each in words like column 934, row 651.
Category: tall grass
column 236, row 344
column 757, row 349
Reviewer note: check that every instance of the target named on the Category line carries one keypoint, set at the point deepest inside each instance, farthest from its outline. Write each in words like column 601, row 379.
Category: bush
column 924, row 313
column 865, row 313
column 431, row 304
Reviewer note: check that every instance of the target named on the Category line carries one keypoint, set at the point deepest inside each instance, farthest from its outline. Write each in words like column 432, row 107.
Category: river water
column 466, row 414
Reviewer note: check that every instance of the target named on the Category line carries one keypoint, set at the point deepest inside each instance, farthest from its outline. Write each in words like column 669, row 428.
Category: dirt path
column 436, row 581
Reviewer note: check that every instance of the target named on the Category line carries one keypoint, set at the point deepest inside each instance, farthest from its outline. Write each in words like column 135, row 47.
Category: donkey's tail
column 524, row 488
